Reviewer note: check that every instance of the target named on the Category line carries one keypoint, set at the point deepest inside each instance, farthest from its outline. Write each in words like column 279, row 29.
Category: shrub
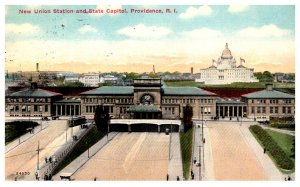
column 280, row 157
column 17, row 128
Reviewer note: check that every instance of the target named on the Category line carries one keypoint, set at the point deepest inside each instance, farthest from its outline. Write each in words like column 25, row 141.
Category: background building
column 225, row 71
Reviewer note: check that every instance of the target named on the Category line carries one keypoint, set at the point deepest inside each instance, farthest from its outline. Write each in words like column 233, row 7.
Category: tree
column 101, row 118
column 187, row 117
column 153, row 75
column 293, row 149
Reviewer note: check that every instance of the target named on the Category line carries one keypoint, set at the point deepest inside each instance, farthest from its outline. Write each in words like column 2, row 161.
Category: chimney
column 269, row 86
column 192, row 70
column 37, row 67
column 33, row 86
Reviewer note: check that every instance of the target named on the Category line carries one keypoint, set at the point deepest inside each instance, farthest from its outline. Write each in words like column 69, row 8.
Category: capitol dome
column 226, row 52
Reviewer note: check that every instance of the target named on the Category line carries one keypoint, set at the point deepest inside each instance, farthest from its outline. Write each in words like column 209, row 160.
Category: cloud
column 25, row 28
column 142, row 31
column 105, row 7
column 203, row 33
column 265, row 31
column 87, row 29
column 237, row 8
column 192, row 12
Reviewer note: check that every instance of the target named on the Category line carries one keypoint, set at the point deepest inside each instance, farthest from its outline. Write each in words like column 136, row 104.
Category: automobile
column 167, row 131
column 45, row 118
column 55, row 117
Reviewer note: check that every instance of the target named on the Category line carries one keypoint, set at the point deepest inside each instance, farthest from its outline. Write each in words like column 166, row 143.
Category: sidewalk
column 175, row 162
column 86, row 156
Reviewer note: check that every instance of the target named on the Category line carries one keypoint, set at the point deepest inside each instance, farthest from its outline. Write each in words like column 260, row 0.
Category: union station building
column 149, row 99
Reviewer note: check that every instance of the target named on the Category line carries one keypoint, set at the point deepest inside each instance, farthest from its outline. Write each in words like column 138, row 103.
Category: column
column 61, row 109
column 70, row 109
column 219, row 112
column 158, row 128
column 242, row 111
column 66, row 110
column 223, row 107
column 227, row 111
column 237, row 112
column 129, row 128
column 79, row 110
column 232, row 110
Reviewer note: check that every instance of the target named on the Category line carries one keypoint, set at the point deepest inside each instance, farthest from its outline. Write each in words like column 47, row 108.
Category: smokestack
column 37, row 67
column 192, row 70
column 153, row 69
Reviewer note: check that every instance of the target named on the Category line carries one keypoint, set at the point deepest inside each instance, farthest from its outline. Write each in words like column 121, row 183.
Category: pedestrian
column 265, row 150
column 50, row 159
column 46, row 159
column 36, row 175
column 95, row 178
column 195, row 160
column 50, row 177
column 178, row 178
column 289, row 178
column 167, row 177
column 203, row 140
column 193, row 176
column 46, row 177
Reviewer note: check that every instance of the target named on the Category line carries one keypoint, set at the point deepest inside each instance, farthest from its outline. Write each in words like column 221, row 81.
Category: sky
column 190, row 36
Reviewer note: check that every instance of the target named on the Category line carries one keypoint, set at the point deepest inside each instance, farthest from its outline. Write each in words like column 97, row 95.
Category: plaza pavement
column 129, row 156
column 233, row 157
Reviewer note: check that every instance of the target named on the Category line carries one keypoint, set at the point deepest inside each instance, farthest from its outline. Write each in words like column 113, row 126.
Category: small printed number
column 23, row 173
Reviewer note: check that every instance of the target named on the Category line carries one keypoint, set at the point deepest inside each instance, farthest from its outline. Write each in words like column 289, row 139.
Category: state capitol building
column 225, row 71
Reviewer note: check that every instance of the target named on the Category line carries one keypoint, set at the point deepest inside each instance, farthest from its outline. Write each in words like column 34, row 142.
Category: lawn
column 232, row 85
column 274, row 149
column 92, row 137
column 183, row 83
column 17, row 128
column 186, row 144
column 283, row 140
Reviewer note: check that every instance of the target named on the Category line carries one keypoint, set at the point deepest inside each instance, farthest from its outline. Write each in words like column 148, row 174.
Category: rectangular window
column 35, row 108
column 87, row 109
column 253, row 110
column 263, row 110
column 173, row 111
column 283, row 110
column 289, row 110
column 46, row 108
column 276, row 110
column 258, row 110
column 271, row 110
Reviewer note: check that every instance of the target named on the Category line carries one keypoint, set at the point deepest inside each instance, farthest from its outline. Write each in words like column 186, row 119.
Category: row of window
column 92, row 109
column 27, row 100
column 187, row 101
column 273, row 101
column 25, row 108
column 170, row 110
column 273, row 110
column 108, row 100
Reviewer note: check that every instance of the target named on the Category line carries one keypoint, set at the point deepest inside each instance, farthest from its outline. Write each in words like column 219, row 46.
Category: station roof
column 68, row 100
column 34, row 93
column 110, row 90
column 143, row 108
column 268, row 94
column 188, row 91
column 230, row 102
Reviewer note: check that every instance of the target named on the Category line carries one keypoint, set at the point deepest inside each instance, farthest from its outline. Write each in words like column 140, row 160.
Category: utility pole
column 38, row 156
column 200, row 178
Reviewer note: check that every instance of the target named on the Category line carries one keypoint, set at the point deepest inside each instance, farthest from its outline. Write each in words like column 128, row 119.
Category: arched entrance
column 118, row 128
column 143, row 127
